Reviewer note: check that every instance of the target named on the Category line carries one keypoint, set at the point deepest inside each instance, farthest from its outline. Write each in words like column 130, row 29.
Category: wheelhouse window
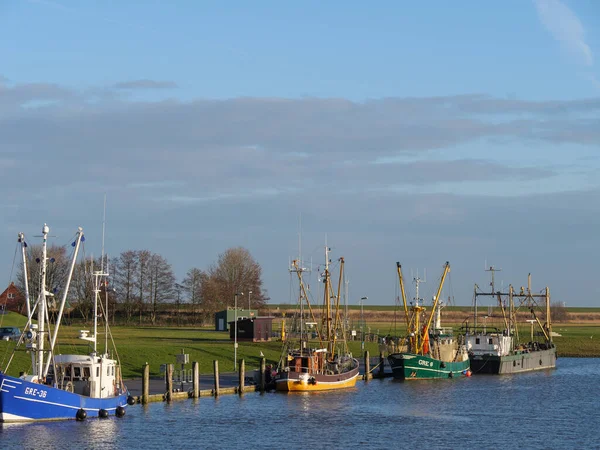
column 477, row 341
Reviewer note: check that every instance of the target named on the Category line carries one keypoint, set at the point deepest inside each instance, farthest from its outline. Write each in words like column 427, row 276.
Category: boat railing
column 467, row 328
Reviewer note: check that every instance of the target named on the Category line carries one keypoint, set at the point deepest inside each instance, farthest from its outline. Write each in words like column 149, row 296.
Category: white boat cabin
column 480, row 344
column 93, row 376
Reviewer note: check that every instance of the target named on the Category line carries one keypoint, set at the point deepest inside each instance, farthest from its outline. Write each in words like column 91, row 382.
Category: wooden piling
column 169, row 383
column 367, row 374
column 145, row 383
column 216, row 372
column 242, row 372
column 196, row 379
column 263, row 365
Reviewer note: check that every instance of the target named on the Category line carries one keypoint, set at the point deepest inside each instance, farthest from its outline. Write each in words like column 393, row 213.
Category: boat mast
column 98, row 275
column 401, row 280
column 63, row 300
column 514, row 330
column 435, row 305
column 21, row 240
column 300, row 288
column 42, row 305
column 106, row 281
column 336, row 325
column 327, row 296
column 106, row 310
column 417, row 309
column 548, row 315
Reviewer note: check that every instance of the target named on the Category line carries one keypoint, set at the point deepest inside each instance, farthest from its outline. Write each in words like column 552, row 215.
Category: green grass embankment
column 156, row 346
column 160, row 345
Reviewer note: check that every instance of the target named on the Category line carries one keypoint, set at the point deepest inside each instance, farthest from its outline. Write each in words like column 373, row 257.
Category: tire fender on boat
column 120, row 411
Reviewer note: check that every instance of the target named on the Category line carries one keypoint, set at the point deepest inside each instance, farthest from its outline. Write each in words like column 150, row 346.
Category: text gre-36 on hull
column 61, row 386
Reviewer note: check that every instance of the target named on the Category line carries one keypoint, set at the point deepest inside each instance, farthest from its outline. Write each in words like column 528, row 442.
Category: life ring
column 69, row 386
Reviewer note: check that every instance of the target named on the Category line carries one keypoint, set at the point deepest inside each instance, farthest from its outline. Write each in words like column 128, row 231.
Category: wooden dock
column 148, row 390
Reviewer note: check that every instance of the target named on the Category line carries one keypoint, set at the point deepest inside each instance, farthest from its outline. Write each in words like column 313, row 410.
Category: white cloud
column 190, row 179
column 566, row 28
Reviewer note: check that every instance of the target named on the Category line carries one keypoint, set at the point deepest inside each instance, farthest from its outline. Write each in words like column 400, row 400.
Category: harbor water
column 554, row 409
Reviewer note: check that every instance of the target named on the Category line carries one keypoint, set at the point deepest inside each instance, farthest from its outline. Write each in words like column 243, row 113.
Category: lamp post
column 362, row 323
column 249, row 295
column 235, row 345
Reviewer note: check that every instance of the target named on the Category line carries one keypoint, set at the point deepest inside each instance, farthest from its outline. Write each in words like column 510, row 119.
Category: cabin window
column 107, row 370
column 476, row 340
column 113, row 371
column 77, row 373
column 86, row 372
column 68, row 373
column 490, row 341
column 97, row 372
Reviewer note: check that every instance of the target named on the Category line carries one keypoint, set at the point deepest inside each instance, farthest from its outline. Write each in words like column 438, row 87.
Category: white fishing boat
column 70, row 386
column 501, row 350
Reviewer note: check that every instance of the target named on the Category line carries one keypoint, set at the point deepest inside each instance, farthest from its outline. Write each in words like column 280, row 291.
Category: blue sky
column 417, row 132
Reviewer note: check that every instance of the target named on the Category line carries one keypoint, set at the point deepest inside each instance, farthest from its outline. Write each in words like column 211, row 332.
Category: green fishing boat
column 430, row 352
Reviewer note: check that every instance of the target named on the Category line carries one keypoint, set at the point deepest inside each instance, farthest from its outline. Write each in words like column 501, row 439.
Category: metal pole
column 362, row 322
column 249, row 295
column 235, row 333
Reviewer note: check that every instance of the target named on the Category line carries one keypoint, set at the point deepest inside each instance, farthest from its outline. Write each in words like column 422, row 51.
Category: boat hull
column 306, row 382
column 23, row 401
column 514, row 363
column 409, row 366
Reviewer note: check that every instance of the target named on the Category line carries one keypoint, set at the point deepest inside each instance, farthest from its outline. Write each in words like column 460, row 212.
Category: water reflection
column 466, row 412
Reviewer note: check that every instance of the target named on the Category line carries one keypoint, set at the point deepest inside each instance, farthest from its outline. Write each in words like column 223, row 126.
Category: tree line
column 142, row 285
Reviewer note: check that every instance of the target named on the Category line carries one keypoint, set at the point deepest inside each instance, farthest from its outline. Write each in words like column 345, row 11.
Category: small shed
column 256, row 329
column 223, row 318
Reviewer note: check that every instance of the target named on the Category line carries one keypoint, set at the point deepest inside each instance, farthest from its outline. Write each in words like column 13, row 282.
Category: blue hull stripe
column 23, row 401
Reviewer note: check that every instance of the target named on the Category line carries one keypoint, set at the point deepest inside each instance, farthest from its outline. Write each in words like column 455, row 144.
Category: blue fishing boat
column 71, row 386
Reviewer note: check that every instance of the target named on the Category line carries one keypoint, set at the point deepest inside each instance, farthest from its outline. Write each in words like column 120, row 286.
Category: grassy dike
column 160, row 345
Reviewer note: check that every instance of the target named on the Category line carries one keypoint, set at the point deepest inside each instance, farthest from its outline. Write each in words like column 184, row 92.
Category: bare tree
column 82, row 288
column 235, row 271
column 143, row 259
column 161, row 282
column 125, row 276
column 56, row 270
column 192, row 286
column 559, row 312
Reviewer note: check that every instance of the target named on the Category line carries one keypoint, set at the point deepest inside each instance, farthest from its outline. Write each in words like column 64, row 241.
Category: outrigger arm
column 435, row 304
